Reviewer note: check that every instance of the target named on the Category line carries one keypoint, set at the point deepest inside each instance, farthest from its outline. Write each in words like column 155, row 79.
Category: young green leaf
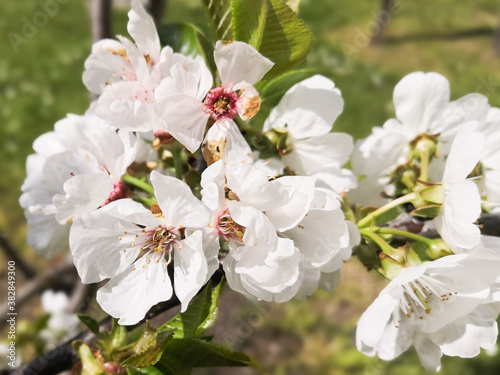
column 186, row 323
column 150, row 370
column 274, row 30
column 149, row 348
column 219, row 13
column 90, row 322
column 191, row 353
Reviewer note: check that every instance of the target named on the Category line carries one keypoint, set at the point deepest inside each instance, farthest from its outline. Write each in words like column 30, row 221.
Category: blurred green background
column 41, row 82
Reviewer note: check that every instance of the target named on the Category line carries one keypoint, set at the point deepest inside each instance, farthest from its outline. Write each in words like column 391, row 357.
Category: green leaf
column 274, row 30
column 198, row 316
column 41, row 323
column 190, row 353
column 212, row 311
column 219, row 14
column 90, row 322
column 149, row 348
column 188, row 40
column 150, row 370
column 249, row 21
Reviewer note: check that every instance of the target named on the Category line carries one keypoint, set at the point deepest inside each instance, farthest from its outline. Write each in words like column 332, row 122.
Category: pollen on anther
column 179, row 248
column 119, row 238
column 157, row 261
column 125, row 250
column 133, row 269
column 125, row 232
column 137, row 235
column 133, row 244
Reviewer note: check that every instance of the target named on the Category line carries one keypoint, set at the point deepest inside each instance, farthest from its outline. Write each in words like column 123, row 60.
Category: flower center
column 421, row 293
column 228, row 228
column 220, row 102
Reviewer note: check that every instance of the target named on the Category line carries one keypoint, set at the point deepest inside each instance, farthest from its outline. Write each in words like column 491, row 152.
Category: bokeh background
column 40, row 82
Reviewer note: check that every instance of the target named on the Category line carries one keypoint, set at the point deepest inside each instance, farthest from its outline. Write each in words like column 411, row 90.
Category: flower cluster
column 170, row 177
column 276, row 235
column 438, row 157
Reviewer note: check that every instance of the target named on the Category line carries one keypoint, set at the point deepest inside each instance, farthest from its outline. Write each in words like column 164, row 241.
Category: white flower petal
column 317, row 154
column 419, row 99
column 238, row 61
column 190, row 268
column 177, row 202
column 185, row 119
column 464, row 155
column 84, row 193
column 462, row 207
column 307, row 109
column 253, row 187
column 131, row 294
column 142, row 28
column 105, row 66
column 301, row 190
column 98, row 242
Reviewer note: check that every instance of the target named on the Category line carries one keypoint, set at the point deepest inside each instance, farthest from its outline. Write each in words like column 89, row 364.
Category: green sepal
column 149, row 348
column 90, row 365
column 389, row 267
column 429, row 211
column 432, row 194
column 118, row 335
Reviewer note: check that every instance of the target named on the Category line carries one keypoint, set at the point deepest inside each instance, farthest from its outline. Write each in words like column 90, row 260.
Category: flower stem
column 424, row 165
column 382, row 244
column 412, row 236
column 368, row 219
column 143, row 185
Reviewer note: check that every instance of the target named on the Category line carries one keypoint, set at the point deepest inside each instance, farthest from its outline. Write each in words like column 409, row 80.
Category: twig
column 383, row 20
column 63, row 357
column 13, row 254
column 101, row 19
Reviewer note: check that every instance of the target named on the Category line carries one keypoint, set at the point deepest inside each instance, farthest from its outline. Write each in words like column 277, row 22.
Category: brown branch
column 14, row 255
column 64, row 358
column 383, row 20
column 101, row 19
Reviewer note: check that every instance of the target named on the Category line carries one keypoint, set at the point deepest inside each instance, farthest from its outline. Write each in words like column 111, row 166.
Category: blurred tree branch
column 36, row 286
column 63, row 357
column 101, row 19
column 383, row 19
column 14, row 255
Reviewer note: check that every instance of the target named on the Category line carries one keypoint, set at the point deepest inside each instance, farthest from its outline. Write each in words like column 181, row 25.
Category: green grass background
column 42, row 82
